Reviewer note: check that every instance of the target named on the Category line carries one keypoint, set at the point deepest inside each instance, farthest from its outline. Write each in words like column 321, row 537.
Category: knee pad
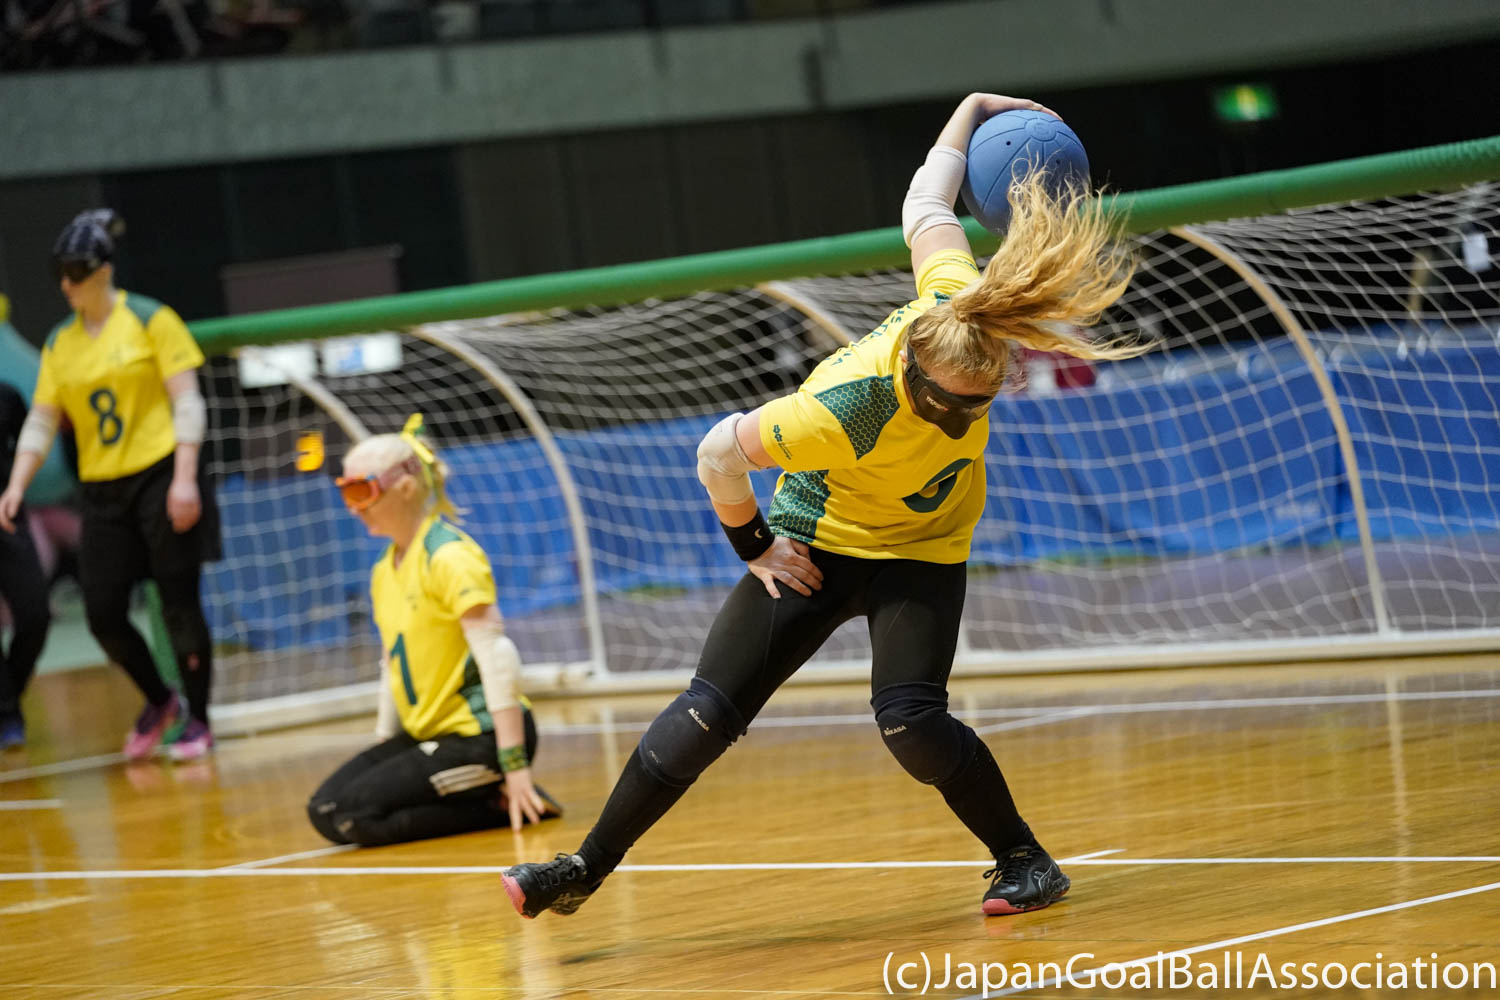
column 919, row 732
column 692, row 733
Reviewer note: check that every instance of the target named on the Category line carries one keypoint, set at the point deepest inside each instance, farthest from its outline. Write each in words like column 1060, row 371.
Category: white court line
column 315, row 853
column 41, row 905
column 1258, row 936
column 1127, row 708
column 1027, row 716
column 1088, row 859
column 1355, row 859
column 61, row 767
column 1035, row 720
column 30, row 803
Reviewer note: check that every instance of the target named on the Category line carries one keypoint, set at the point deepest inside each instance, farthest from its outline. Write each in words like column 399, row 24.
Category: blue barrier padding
column 1240, row 456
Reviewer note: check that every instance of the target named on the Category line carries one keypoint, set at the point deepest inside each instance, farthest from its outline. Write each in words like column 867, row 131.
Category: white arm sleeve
column 189, row 416
column 37, row 431
column 723, row 466
column 934, row 187
column 387, row 722
column 498, row 660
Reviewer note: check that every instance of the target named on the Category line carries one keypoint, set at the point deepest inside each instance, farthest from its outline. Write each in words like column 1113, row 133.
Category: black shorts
column 128, row 537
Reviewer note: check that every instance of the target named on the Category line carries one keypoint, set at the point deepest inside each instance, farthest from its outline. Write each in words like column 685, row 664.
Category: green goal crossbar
column 1429, row 168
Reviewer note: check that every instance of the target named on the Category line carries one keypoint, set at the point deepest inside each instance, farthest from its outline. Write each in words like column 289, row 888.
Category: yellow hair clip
column 410, row 433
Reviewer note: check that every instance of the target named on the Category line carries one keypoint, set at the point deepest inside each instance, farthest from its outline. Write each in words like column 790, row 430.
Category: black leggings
column 912, row 608
column 402, row 789
column 757, row 642
column 128, row 538
column 23, row 585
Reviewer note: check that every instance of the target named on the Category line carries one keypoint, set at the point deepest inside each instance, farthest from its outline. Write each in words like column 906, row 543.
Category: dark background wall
column 491, row 209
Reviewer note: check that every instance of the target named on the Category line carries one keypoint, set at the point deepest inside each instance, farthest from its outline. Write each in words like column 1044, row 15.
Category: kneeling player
column 456, row 736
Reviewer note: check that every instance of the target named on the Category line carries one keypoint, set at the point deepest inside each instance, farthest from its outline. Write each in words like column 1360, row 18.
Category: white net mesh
column 1197, row 495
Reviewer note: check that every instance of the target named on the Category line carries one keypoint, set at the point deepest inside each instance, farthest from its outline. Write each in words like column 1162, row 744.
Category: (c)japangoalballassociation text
column 921, row 972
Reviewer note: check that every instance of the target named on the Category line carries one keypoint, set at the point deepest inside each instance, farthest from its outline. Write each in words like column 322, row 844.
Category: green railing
column 1430, row 168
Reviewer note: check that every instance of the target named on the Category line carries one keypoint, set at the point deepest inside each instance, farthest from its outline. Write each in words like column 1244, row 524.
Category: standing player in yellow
column 882, row 450
column 124, row 370
column 456, row 736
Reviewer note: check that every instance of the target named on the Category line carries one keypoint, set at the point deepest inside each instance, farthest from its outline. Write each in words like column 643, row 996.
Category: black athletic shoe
column 560, row 885
column 1026, row 878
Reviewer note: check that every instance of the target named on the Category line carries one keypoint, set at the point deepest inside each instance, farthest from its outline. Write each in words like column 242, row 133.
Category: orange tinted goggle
column 361, row 492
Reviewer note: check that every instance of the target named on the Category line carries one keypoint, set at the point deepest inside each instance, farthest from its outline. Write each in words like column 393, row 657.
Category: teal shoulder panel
column 863, row 408
column 440, row 534
column 143, row 306
column 52, row 337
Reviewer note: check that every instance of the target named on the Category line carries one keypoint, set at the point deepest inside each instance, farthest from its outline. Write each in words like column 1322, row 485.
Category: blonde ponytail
column 434, row 469
column 1056, row 272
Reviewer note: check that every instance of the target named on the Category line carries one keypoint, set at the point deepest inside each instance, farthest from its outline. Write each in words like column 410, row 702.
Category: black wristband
column 750, row 540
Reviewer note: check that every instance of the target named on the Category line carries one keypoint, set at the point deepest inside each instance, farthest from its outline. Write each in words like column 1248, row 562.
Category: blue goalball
column 1006, row 148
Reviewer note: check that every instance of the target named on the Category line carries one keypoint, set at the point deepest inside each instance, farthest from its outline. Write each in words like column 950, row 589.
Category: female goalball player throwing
column 456, row 736
column 124, row 369
column 882, row 450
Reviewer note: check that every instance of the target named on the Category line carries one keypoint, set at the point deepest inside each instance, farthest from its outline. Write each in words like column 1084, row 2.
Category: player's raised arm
column 928, row 221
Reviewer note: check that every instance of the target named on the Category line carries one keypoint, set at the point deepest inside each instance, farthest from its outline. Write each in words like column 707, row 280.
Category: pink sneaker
column 196, row 740
column 150, row 726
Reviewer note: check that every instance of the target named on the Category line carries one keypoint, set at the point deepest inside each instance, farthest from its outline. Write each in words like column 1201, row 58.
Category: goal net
column 1308, row 466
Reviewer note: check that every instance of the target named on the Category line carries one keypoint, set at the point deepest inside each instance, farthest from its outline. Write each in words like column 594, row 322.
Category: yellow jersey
column 863, row 474
column 433, row 679
column 112, row 386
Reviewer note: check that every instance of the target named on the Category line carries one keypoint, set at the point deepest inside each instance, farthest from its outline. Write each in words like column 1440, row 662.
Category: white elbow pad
column 499, row 663
column 934, row 187
column 189, row 417
column 723, row 466
column 387, row 721
column 37, row 431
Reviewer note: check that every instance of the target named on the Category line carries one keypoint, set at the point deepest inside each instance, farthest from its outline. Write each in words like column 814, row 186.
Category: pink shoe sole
column 1000, row 908
column 139, row 746
column 190, row 749
column 517, row 897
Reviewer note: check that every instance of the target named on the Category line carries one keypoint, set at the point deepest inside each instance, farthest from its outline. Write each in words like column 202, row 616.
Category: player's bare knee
column 919, row 732
column 692, row 733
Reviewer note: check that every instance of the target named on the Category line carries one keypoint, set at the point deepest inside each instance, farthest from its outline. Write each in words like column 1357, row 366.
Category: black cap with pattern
column 90, row 237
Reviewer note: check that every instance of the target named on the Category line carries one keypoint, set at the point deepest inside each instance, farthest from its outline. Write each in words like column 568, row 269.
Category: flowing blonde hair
column 385, row 451
column 1057, row 270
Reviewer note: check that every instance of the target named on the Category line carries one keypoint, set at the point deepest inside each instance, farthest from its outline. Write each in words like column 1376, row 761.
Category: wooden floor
column 1320, row 813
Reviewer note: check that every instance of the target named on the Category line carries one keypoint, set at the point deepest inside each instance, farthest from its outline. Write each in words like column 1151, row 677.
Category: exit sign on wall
column 1245, row 102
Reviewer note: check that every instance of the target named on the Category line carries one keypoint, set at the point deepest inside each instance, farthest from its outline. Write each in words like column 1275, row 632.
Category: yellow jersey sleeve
column 946, row 272
column 46, row 383
column 461, row 578
column 176, row 350
column 801, row 433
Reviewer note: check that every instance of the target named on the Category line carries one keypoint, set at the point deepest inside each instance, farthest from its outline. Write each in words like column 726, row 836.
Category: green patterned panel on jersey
column 863, row 408
column 473, row 693
column 799, row 504
column 143, row 306
column 440, row 534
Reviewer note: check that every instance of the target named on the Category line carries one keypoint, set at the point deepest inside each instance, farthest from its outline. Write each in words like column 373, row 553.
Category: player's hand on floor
column 789, row 562
column 522, row 798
